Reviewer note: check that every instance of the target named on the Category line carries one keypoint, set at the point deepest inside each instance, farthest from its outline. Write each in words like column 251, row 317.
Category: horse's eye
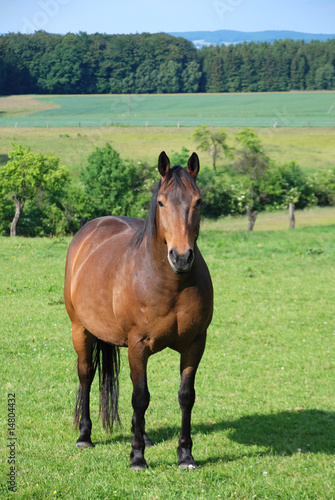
column 160, row 204
column 198, row 203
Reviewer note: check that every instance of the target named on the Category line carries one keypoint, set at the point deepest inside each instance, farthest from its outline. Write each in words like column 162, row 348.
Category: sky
column 153, row 16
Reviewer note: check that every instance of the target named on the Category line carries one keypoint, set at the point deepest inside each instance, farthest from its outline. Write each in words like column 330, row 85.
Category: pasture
column 22, row 122
column 263, row 421
column 281, row 109
column 311, row 148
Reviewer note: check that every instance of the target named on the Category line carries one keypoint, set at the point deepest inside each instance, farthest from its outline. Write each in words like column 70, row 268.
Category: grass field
column 263, row 422
column 274, row 221
column 287, row 109
column 311, row 148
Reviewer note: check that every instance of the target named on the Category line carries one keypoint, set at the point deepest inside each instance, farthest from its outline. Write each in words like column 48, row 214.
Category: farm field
column 264, row 416
column 311, row 148
column 287, row 109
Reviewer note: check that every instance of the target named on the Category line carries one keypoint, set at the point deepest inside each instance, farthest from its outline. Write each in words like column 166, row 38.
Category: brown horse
column 142, row 285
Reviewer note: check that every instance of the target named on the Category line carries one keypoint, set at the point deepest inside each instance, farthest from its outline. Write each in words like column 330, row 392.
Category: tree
column 168, row 78
column 115, row 186
column 191, row 77
column 26, row 174
column 213, row 141
column 324, row 77
column 2, row 75
column 216, row 76
column 252, row 163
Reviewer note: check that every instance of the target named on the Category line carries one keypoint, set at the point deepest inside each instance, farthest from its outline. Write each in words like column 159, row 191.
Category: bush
column 114, row 186
column 283, row 184
column 323, row 186
column 219, row 197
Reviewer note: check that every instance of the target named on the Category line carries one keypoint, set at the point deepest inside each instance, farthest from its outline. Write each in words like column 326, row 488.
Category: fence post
column 291, row 209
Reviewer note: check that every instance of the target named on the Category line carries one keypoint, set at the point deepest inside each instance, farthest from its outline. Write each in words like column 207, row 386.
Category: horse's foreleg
column 83, row 344
column 140, row 400
column 147, row 440
column 186, row 396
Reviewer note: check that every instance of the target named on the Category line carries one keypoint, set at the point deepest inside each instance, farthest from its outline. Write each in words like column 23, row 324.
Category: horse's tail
column 105, row 358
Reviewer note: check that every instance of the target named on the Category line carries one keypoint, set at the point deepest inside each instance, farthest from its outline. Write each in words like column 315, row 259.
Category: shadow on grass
column 284, row 433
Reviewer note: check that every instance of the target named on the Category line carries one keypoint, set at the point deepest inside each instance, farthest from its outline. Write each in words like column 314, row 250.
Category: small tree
column 116, row 186
column 213, row 141
column 253, row 163
column 26, row 174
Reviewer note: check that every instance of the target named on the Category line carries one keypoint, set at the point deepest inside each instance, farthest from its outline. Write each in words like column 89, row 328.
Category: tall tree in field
column 213, row 141
column 252, row 163
column 26, row 174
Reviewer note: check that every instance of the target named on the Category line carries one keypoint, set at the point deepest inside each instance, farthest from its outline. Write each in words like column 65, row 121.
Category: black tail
column 105, row 358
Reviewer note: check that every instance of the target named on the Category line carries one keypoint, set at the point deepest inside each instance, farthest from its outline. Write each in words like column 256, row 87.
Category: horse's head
column 178, row 211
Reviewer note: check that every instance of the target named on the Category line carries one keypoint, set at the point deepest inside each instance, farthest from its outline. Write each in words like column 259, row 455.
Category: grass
column 274, row 221
column 264, row 415
column 310, row 148
column 285, row 109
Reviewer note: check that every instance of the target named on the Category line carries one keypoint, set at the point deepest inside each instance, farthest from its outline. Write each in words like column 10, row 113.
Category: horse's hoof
column 188, row 466
column 138, row 468
column 84, row 444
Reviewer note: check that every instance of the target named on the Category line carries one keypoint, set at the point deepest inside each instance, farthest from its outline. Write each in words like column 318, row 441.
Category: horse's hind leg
column 83, row 344
column 188, row 366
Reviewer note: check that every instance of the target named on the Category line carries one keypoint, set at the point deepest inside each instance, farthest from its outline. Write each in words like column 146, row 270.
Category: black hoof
column 137, row 461
column 186, row 461
column 138, row 468
column 84, row 444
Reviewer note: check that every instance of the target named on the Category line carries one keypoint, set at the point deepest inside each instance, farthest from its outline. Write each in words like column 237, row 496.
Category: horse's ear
column 193, row 165
column 163, row 164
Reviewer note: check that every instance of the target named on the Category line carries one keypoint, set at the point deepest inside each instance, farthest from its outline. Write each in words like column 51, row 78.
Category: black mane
column 175, row 176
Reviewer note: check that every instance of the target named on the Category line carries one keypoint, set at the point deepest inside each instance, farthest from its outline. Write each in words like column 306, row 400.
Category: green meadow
column 264, row 417
column 286, row 109
column 263, row 421
column 311, row 148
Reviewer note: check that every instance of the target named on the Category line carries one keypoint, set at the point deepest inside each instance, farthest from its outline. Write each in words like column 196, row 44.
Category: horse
column 141, row 284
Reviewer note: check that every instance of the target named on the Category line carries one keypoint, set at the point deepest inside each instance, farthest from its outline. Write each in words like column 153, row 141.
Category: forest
column 43, row 63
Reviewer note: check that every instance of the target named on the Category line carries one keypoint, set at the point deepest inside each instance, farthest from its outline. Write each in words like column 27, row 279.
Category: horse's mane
column 175, row 177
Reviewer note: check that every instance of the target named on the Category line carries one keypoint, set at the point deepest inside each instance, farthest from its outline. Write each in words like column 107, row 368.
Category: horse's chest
column 168, row 321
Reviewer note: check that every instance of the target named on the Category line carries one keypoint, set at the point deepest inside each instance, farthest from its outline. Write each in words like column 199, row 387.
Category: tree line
column 39, row 198
column 43, row 63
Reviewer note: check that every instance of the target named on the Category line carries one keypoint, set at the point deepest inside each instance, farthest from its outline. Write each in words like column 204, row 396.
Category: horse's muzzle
column 181, row 263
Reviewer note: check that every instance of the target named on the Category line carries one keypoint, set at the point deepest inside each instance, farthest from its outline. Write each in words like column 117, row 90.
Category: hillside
column 227, row 37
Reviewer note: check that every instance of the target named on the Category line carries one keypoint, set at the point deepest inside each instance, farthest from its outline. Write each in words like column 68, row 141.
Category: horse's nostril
column 173, row 255
column 189, row 256
column 181, row 262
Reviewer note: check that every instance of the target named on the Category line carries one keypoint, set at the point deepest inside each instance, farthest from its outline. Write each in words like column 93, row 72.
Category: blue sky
column 130, row 16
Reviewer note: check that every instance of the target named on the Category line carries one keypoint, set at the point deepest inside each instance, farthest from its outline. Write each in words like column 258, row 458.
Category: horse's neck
column 153, row 260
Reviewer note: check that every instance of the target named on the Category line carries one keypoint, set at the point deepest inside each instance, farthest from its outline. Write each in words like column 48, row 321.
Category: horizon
column 64, row 16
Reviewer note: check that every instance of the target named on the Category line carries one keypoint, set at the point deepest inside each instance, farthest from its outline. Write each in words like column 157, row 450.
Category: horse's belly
column 92, row 298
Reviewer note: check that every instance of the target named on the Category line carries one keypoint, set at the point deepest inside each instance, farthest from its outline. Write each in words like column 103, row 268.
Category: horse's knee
column 186, row 397
column 141, row 398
